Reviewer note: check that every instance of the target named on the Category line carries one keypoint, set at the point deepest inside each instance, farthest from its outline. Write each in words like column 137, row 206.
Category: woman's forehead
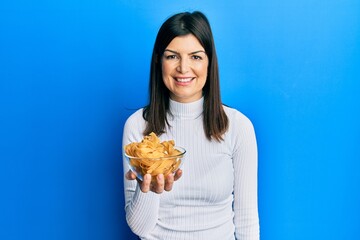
column 187, row 43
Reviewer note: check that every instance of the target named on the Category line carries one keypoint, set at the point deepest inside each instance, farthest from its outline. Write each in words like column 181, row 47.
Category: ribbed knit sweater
column 216, row 197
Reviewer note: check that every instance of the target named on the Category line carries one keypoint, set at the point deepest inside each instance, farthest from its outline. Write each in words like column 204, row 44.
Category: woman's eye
column 196, row 57
column 169, row 57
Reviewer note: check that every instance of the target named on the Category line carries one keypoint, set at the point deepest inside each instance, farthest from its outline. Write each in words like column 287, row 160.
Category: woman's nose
column 183, row 66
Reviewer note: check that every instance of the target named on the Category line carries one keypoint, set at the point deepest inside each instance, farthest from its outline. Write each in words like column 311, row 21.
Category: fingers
column 130, row 175
column 157, row 185
column 171, row 178
column 166, row 185
column 169, row 182
column 145, row 184
column 178, row 174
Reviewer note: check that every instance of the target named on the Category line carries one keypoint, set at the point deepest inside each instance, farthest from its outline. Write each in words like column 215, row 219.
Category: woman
column 214, row 196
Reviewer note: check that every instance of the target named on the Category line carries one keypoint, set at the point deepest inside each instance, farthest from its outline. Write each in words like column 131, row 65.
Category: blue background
column 71, row 72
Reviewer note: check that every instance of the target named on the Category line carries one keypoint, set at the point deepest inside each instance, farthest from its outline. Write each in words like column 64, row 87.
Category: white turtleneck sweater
column 216, row 197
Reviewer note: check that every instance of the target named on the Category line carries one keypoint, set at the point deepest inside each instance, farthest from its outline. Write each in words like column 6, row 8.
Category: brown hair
column 215, row 119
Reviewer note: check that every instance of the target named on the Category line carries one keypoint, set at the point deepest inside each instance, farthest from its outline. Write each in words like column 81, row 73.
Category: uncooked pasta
column 152, row 156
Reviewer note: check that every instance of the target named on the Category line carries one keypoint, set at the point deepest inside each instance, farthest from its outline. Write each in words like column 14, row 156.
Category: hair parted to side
column 155, row 114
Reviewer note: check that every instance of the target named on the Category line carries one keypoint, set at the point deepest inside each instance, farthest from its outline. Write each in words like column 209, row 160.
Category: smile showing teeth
column 183, row 80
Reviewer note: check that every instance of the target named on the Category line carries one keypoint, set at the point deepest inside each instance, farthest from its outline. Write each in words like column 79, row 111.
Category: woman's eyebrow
column 168, row 50
column 198, row 52
column 189, row 53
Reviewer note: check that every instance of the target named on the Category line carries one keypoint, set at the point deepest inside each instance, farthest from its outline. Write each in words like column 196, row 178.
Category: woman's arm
column 142, row 198
column 141, row 208
column 245, row 159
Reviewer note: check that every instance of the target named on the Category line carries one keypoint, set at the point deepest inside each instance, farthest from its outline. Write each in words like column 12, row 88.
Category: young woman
column 214, row 195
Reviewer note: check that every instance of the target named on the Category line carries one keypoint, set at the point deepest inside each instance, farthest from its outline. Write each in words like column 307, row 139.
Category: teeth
column 183, row 79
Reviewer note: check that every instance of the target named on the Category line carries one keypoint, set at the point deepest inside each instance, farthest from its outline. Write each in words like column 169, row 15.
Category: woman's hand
column 162, row 183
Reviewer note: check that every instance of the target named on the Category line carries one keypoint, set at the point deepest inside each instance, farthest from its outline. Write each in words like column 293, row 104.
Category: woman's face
column 184, row 68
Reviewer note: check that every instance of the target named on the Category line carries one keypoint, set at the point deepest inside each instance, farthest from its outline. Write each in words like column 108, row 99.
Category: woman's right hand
column 162, row 183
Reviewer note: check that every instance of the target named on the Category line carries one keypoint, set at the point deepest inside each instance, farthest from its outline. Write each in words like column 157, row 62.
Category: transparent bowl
column 165, row 165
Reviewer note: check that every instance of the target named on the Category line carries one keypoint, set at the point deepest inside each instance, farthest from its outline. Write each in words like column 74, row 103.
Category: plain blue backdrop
column 71, row 72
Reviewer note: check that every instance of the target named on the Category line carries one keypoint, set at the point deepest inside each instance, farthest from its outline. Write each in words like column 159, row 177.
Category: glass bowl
column 165, row 165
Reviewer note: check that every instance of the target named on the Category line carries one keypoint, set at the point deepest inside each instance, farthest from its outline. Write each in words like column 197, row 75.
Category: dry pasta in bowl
column 153, row 156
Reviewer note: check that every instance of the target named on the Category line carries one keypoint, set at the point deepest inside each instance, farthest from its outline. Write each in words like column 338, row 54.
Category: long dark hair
column 215, row 119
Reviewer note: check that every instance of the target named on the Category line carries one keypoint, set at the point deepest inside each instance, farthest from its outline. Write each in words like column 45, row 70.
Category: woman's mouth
column 183, row 79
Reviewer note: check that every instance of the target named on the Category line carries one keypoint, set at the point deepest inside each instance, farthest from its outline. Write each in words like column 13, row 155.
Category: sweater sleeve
column 245, row 159
column 141, row 208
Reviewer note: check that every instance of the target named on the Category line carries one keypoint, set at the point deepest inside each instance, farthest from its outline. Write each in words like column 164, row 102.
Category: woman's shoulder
column 136, row 115
column 134, row 127
column 237, row 118
column 135, row 118
column 234, row 113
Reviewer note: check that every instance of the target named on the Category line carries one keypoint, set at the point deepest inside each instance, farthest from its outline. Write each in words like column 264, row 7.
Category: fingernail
column 160, row 177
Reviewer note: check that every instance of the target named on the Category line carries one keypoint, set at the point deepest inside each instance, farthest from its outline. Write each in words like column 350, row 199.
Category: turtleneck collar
column 190, row 110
